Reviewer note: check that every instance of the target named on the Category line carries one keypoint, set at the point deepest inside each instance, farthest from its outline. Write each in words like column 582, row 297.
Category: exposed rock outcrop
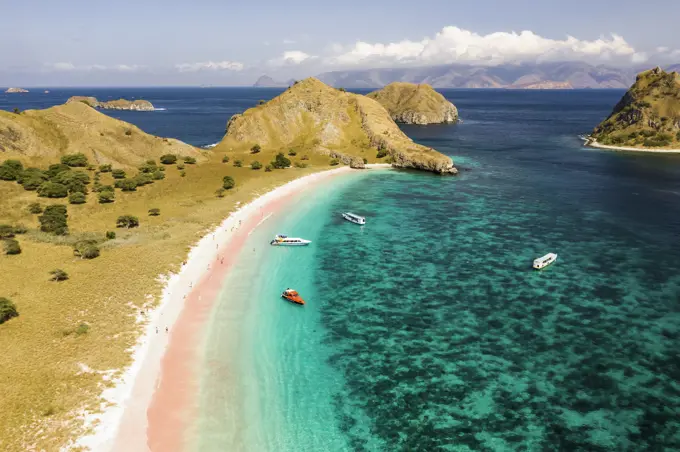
column 648, row 115
column 315, row 117
column 16, row 90
column 120, row 104
column 409, row 103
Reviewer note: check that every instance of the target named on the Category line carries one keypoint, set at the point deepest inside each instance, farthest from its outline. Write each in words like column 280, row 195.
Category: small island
column 409, row 103
column 647, row 118
column 120, row 104
column 346, row 126
column 16, row 90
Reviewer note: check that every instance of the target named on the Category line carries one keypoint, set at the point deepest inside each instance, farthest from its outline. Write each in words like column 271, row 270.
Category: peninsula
column 647, row 118
column 16, row 90
column 120, row 104
column 409, row 103
column 313, row 117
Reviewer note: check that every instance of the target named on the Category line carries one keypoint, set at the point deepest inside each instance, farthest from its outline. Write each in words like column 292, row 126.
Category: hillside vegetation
column 415, row 104
column 39, row 136
column 648, row 115
column 90, row 216
column 313, row 117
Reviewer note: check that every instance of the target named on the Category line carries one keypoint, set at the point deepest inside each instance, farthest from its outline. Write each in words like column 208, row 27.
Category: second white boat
column 284, row 240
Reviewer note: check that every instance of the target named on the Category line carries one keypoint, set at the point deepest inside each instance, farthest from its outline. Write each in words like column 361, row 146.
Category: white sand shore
column 594, row 144
column 147, row 355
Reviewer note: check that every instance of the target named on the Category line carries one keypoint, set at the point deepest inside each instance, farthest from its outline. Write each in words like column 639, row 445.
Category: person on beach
column 156, row 330
column 166, row 329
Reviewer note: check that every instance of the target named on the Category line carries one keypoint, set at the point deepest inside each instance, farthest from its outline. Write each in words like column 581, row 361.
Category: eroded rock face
column 409, row 103
column 341, row 125
column 16, row 90
column 120, row 104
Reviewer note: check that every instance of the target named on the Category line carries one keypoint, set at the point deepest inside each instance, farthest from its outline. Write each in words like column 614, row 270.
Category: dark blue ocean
column 427, row 329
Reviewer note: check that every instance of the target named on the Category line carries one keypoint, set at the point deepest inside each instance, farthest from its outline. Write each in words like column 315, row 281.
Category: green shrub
column 158, row 175
column 77, row 198
column 127, row 221
column 53, row 190
column 32, row 178
column 128, row 132
column 143, row 179
column 12, row 247
column 10, row 170
column 256, row 165
column 255, row 149
column 7, row 310
column 154, row 212
column 110, row 235
column 382, row 153
column 6, row 231
column 647, row 133
column 83, row 328
column 300, row 165
column 261, row 102
column 105, row 168
column 228, row 182
column 189, row 160
column 292, row 152
column 54, row 220
column 238, row 163
column 58, row 275
column 365, row 160
column 220, row 192
column 118, row 174
column 342, row 90
column 168, row 159
column 78, row 160
column 127, row 185
column 182, row 174
column 304, row 157
column 334, row 162
column 281, row 161
column 20, row 229
column 180, row 166
column 35, row 208
column 268, row 169
column 148, row 168
column 225, row 159
column 86, row 249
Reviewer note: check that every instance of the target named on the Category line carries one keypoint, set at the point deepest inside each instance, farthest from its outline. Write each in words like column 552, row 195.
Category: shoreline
column 138, row 409
column 592, row 143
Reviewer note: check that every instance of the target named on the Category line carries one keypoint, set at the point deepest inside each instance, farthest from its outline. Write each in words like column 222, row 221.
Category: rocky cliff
column 415, row 104
column 120, row 104
column 39, row 136
column 16, row 90
column 648, row 115
column 314, row 117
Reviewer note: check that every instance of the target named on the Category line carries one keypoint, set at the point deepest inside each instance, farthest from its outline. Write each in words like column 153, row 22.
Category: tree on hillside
column 256, row 165
column 8, row 310
column 255, row 149
column 225, row 159
column 334, row 162
column 168, row 159
column 54, row 220
column 32, row 178
column 53, row 190
column 6, row 231
column 55, row 169
column 11, row 247
column 77, row 198
column 58, row 275
column 238, row 163
column 105, row 168
column 86, row 249
column 281, row 161
column 228, row 182
column 10, row 169
column 118, row 174
column 154, row 212
column 126, row 185
column 127, row 221
column 189, row 160
column 35, row 208
column 78, row 159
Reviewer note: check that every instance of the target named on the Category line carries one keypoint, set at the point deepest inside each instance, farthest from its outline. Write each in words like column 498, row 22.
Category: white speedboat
column 284, row 240
column 544, row 261
column 356, row 219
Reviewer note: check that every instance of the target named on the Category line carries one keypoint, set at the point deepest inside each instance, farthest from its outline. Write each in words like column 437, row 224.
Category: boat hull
column 353, row 220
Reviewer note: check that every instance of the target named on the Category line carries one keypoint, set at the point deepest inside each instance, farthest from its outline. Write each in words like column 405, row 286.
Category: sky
column 213, row 42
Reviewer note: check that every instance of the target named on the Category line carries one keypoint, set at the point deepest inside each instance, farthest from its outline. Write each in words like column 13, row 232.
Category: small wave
column 210, row 146
column 159, row 109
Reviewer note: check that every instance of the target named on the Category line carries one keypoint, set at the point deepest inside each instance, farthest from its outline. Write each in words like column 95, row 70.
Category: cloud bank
column 210, row 66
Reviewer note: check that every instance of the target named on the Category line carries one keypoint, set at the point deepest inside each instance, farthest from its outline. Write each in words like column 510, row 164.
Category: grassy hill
column 36, row 135
column 415, row 104
column 311, row 117
column 70, row 334
column 648, row 115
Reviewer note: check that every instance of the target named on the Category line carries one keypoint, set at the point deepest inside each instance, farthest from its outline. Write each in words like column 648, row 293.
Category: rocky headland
column 120, row 104
column 409, row 103
column 311, row 115
column 646, row 118
column 16, row 90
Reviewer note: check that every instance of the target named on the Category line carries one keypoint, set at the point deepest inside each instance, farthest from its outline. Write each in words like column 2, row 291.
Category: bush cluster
column 54, row 220
column 58, row 275
column 127, row 221
column 10, row 170
column 168, row 159
column 280, row 161
column 154, row 212
column 11, row 247
column 255, row 149
column 189, row 160
column 77, row 160
column 256, row 165
column 8, row 310
column 86, row 249
column 228, row 182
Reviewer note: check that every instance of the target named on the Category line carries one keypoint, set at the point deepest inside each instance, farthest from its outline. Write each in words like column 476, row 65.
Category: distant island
column 348, row 127
column 120, row 104
column 16, row 90
column 409, row 103
column 267, row 82
column 646, row 118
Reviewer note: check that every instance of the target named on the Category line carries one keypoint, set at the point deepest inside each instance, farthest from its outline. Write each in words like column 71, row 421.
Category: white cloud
column 291, row 57
column 453, row 44
column 70, row 67
column 210, row 66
